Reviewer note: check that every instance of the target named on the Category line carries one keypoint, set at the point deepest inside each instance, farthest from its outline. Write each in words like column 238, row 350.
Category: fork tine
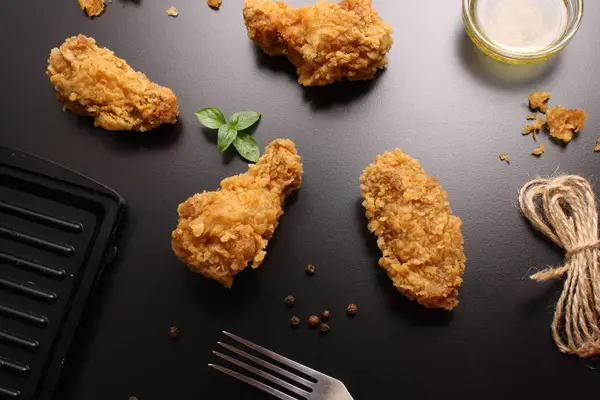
column 263, row 374
column 253, row 382
column 268, row 365
column 286, row 361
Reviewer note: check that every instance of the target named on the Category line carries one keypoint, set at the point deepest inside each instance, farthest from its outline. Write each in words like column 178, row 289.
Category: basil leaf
column 244, row 119
column 247, row 147
column 227, row 135
column 211, row 117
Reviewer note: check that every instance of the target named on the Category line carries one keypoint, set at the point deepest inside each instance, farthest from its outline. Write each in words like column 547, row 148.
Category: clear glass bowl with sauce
column 522, row 31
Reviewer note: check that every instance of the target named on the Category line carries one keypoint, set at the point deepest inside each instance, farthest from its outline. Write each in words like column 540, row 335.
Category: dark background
column 440, row 100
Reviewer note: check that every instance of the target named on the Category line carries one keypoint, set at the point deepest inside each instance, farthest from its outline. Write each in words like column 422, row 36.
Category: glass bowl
column 489, row 47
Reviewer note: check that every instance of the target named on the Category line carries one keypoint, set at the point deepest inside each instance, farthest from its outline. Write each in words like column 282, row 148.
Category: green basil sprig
column 232, row 132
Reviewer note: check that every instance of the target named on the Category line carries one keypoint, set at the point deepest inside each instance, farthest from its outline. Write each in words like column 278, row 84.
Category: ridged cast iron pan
column 57, row 229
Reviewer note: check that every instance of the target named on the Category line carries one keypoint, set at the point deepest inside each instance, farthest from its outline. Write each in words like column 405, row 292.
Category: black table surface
column 440, row 100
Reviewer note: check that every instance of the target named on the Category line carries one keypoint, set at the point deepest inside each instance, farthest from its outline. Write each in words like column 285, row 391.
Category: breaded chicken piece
column 92, row 81
column 219, row 233
column 326, row 42
column 93, row 8
column 421, row 241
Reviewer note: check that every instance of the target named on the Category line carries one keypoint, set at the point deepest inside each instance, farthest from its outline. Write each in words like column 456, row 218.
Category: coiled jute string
column 568, row 216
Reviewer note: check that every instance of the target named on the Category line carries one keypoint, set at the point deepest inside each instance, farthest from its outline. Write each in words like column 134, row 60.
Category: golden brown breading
column 326, row 42
column 534, row 127
column 597, row 145
column 563, row 123
column 538, row 151
column 214, row 3
column 539, row 101
column 219, row 233
column 421, row 241
column 93, row 8
column 92, row 81
column 172, row 12
column 504, row 157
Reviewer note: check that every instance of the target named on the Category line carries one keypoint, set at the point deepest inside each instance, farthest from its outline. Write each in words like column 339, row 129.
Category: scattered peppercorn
column 352, row 309
column 295, row 322
column 310, row 270
column 133, row 398
column 174, row 332
column 313, row 321
column 289, row 301
column 325, row 315
column 324, row 328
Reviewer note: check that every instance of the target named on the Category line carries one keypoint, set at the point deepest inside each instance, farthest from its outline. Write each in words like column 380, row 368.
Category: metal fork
column 322, row 387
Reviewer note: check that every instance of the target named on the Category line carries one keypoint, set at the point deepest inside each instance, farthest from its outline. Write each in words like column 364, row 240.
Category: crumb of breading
column 534, row 127
column 92, row 81
column 563, row 123
column 214, row 3
column 219, row 233
column 504, row 157
column 538, row 151
column 172, row 12
column 539, row 101
column 420, row 239
column 530, row 117
column 597, row 145
column 326, row 42
column 92, row 8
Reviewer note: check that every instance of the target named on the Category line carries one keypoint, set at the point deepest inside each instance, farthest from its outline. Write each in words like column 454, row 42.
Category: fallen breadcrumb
column 538, row 151
column 597, row 145
column 93, row 8
column 219, row 233
column 92, row 81
column 352, row 309
column 313, row 321
column 564, row 123
column 326, row 42
column 420, row 239
column 214, row 3
column 530, row 117
column 295, row 322
column 172, row 12
column 290, row 301
column 504, row 157
column 534, row 127
column 539, row 101
column 174, row 332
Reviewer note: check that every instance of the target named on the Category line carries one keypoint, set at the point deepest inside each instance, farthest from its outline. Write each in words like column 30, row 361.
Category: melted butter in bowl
column 522, row 26
column 522, row 31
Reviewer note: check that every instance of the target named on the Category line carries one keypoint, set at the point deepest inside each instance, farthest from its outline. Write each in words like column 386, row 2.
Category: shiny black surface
column 440, row 100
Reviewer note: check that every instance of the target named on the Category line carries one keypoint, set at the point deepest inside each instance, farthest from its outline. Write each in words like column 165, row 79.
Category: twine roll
column 568, row 216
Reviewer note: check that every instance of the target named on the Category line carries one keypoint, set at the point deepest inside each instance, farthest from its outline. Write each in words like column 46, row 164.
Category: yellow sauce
column 522, row 26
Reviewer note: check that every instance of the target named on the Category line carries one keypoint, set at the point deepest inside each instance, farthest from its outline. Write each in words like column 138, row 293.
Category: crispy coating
column 538, row 151
column 539, row 101
column 504, row 157
column 92, row 81
column 563, row 123
column 214, row 3
column 172, row 12
column 219, row 233
column 93, row 8
column 421, row 241
column 597, row 145
column 534, row 127
column 326, row 42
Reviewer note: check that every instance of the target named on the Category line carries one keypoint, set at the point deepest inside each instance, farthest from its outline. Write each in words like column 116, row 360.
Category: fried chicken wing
column 421, row 241
column 92, row 81
column 219, row 233
column 326, row 42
